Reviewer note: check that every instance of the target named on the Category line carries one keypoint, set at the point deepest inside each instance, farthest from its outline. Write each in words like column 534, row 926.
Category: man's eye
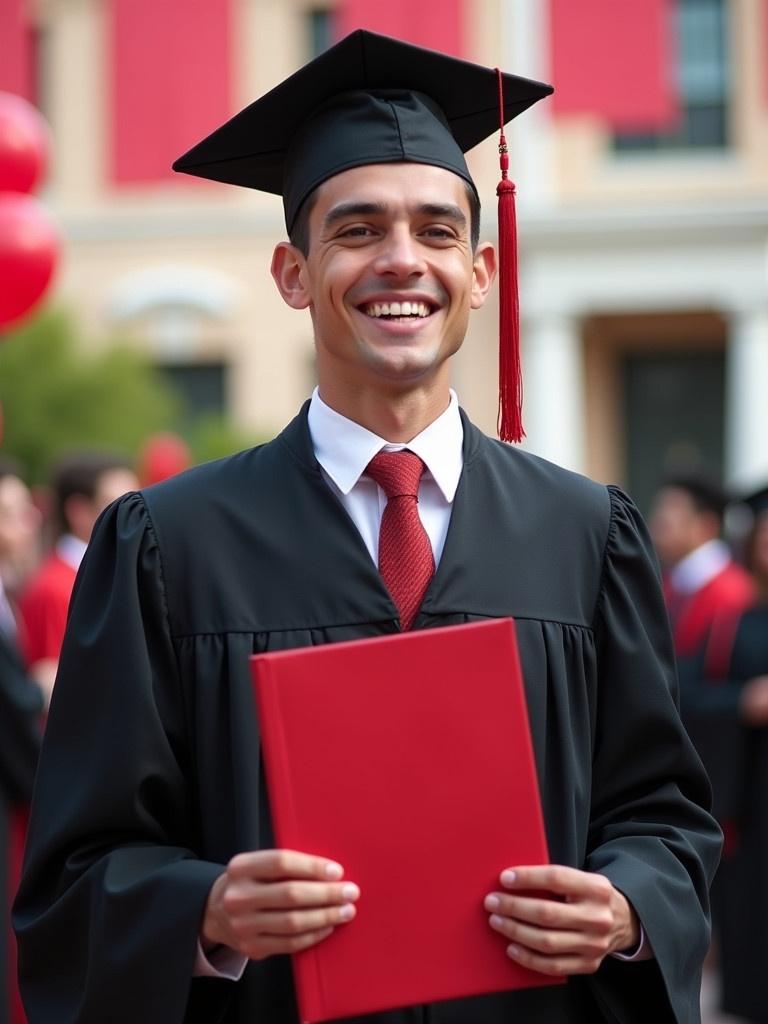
column 355, row 231
column 438, row 232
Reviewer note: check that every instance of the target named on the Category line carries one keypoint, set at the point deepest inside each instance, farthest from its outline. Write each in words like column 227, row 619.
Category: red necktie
column 406, row 562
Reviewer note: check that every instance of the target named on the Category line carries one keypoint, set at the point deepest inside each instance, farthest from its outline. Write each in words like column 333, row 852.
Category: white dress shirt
column 343, row 450
column 71, row 550
column 699, row 567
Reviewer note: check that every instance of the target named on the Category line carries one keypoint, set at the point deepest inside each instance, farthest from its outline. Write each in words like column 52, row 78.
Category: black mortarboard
column 373, row 99
column 757, row 501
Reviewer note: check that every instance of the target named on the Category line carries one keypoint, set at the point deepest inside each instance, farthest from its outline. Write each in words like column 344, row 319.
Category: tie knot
column 397, row 473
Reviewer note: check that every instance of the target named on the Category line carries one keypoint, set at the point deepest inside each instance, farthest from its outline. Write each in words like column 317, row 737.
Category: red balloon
column 162, row 456
column 29, row 250
column 24, row 144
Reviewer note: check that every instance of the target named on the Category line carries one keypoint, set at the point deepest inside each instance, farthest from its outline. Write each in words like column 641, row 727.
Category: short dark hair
column 706, row 494
column 299, row 233
column 79, row 473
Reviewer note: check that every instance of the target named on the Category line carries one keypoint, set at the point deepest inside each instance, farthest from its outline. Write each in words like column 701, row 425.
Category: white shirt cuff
column 222, row 962
column 642, row 952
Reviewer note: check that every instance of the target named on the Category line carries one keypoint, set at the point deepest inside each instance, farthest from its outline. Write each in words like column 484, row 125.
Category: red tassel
column 510, row 419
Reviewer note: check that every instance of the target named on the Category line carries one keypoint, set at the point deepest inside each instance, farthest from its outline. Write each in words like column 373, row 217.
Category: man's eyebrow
column 444, row 211
column 352, row 209
column 342, row 211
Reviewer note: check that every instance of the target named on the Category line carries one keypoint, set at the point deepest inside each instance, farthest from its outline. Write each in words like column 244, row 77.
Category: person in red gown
column 84, row 485
column 728, row 720
column 21, row 704
column 705, row 589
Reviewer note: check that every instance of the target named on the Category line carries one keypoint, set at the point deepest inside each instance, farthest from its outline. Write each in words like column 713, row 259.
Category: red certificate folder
column 408, row 760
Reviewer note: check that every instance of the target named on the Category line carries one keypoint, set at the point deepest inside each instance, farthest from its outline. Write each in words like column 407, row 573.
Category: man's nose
column 400, row 254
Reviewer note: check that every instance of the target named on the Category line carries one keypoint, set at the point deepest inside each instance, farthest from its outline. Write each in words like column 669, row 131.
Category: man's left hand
column 585, row 920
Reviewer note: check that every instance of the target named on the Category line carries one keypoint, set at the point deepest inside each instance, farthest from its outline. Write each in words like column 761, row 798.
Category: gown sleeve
column 21, row 706
column 651, row 832
column 112, row 895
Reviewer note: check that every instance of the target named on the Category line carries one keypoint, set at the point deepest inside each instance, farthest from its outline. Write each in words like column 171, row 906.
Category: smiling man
column 153, row 891
column 389, row 275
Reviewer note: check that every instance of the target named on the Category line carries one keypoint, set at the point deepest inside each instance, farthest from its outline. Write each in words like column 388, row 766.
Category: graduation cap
column 757, row 502
column 371, row 99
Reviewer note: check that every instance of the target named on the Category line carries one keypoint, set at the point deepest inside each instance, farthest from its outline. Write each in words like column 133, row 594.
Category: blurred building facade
column 643, row 209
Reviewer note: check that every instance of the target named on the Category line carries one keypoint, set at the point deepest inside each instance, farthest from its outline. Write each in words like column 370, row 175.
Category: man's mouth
column 398, row 310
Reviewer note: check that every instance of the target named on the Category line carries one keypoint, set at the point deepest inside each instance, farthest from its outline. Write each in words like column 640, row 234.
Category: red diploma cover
column 407, row 759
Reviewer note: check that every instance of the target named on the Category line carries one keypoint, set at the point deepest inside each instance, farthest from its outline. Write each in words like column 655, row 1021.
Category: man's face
column 19, row 522
column 390, row 276
column 677, row 526
column 82, row 511
column 113, row 484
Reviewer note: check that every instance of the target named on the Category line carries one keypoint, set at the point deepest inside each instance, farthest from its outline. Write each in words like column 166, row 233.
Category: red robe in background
column 21, row 706
column 43, row 608
column 706, row 620
column 43, row 612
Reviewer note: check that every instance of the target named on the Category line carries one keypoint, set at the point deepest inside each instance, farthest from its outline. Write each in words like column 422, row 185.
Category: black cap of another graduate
column 368, row 99
column 371, row 99
column 757, row 502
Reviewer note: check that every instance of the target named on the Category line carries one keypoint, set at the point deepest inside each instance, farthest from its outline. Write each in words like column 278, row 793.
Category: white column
column 525, row 51
column 553, row 401
column 746, row 398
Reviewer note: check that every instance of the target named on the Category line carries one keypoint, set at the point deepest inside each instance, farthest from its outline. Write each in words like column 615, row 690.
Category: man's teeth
column 398, row 309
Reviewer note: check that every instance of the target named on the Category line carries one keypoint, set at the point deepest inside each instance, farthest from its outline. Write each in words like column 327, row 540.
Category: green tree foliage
column 55, row 398
column 213, row 437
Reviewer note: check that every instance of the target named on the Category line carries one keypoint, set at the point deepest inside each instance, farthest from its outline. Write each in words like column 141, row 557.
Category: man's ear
column 289, row 273
column 483, row 273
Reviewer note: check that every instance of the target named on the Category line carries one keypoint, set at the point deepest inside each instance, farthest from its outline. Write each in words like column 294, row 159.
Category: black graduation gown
column 21, row 704
column 150, row 778
column 742, row 883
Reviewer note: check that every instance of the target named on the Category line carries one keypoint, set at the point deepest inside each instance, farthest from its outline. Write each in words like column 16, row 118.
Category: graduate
column 21, row 706
column 705, row 589
column 731, row 721
column 83, row 484
column 152, row 889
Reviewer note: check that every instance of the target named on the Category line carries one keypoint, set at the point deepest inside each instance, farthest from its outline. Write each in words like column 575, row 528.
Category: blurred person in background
column 706, row 593
column 84, row 484
column 705, row 590
column 21, row 703
column 730, row 715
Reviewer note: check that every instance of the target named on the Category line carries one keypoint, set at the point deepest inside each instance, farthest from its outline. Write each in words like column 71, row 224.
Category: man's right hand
column 276, row 901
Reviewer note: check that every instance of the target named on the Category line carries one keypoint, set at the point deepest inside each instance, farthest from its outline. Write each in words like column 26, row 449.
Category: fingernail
column 508, row 877
column 492, row 902
column 334, row 870
column 350, row 891
column 495, row 921
column 513, row 951
column 346, row 912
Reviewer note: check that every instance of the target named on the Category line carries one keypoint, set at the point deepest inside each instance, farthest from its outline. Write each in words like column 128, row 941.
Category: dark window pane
column 706, row 126
column 674, row 416
column 320, row 31
column 200, row 386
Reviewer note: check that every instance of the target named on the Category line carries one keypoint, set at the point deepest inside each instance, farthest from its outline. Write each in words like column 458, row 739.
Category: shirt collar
column 71, row 549
column 699, row 567
column 344, row 448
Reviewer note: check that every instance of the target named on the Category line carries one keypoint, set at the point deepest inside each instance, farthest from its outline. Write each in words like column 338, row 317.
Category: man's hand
column 754, row 701
column 276, row 901
column 571, row 933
